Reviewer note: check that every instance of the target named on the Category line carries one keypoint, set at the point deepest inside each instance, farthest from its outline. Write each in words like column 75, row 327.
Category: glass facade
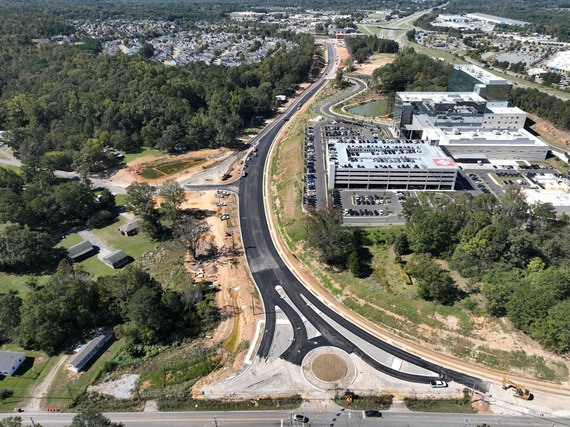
column 460, row 81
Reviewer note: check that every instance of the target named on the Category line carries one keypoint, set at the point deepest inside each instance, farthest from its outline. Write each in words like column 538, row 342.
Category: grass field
column 145, row 152
column 28, row 376
column 13, row 282
column 160, row 170
column 67, row 385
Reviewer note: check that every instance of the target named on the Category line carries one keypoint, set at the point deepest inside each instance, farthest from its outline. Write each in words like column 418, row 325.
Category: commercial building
column 470, row 123
column 389, row 164
column 471, row 145
column 495, row 19
column 470, row 78
column 560, row 62
column 416, row 111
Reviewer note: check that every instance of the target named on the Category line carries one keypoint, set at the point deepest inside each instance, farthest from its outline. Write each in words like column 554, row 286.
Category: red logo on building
column 443, row 162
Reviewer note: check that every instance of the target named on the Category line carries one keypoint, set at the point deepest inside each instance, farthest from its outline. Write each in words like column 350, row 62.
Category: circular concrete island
column 326, row 368
column 329, row 367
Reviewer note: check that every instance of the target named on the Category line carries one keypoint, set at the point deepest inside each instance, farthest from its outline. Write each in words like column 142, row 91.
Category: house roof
column 80, row 249
column 7, row 359
column 115, row 257
column 130, row 226
column 86, row 352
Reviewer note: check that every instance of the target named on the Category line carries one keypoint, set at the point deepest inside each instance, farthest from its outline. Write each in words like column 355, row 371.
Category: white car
column 438, row 384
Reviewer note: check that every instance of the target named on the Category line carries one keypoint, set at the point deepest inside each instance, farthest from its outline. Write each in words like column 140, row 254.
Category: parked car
column 438, row 384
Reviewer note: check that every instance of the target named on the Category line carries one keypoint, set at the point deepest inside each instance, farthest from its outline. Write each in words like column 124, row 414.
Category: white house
column 83, row 356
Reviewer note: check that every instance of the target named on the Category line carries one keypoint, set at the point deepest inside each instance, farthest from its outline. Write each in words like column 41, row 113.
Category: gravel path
column 37, row 394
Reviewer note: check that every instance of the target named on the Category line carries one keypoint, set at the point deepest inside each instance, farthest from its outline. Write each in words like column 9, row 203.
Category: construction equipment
column 520, row 392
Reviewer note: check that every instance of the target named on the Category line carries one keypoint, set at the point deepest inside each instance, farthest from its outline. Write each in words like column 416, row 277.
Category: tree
column 173, row 196
column 401, row 245
column 57, row 312
column 10, row 304
column 339, row 78
column 140, row 200
column 93, row 419
column 22, row 249
column 434, row 283
column 190, row 231
column 355, row 265
column 5, row 394
column 331, row 241
column 553, row 331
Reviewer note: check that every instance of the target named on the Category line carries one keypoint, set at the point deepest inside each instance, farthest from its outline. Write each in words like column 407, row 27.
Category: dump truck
column 520, row 391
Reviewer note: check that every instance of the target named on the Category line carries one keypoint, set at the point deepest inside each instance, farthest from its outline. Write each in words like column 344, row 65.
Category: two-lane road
column 269, row 270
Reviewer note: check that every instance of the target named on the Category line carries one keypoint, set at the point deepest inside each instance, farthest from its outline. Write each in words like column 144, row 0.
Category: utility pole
column 215, row 421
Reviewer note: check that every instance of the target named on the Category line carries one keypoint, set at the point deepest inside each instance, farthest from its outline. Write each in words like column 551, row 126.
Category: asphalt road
column 269, row 270
column 325, row 417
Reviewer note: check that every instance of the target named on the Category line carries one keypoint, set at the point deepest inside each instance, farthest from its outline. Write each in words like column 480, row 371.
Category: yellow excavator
column 521, row 392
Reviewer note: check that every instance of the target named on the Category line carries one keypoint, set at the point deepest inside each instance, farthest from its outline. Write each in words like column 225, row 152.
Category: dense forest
column 69, row 103
column 518, row 252
column 515, row 254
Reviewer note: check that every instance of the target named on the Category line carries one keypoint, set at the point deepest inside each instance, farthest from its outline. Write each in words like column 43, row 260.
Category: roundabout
column 327, row 367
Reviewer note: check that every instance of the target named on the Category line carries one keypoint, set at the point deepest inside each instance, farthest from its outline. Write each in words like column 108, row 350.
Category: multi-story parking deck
column 388, row 164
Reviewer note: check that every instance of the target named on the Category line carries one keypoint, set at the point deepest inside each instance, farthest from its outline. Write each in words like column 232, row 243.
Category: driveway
column 95, row 241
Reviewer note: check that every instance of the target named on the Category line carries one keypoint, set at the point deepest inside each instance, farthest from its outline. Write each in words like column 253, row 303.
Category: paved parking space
column 372, row 207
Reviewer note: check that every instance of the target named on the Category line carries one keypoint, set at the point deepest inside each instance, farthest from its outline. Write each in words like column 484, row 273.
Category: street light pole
column 215, row 421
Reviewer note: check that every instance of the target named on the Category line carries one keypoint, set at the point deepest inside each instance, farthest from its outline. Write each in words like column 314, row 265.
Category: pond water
column 379, row 107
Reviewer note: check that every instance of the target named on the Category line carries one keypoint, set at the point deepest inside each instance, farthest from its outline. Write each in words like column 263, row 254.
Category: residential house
column 88, row 351
column 10, row 361
column 116, row 259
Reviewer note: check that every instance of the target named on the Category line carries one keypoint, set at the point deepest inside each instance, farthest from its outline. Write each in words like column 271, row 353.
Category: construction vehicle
column 520, row 392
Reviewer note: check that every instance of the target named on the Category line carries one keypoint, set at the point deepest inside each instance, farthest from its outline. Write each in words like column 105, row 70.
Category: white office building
column 469, row 145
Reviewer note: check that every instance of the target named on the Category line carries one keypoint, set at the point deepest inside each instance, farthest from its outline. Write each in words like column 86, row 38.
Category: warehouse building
column 390, row 165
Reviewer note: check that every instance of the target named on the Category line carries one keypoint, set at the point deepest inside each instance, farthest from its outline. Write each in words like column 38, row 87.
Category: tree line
column 361, row 48
column 543, row 105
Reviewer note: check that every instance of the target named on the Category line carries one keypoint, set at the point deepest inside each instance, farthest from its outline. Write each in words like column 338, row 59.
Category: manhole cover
column 329, row 367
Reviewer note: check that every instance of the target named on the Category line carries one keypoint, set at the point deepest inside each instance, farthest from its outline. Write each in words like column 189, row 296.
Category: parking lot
column 372, row 207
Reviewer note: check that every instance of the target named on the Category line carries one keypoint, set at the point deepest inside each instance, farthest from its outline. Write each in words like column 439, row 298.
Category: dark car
column 300, row 418
column 372, row 413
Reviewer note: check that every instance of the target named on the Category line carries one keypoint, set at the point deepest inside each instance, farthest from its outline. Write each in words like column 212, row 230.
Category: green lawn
column 16, row 169
column 13, row 282
column 145, row 152
column 30, row 374
column 67, row 385
column 134, row 246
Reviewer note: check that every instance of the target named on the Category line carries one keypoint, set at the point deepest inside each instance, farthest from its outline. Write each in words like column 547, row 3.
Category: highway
column 328, row 416
column 269, row 270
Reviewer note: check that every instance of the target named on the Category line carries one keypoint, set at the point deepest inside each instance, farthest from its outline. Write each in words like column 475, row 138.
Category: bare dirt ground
column 227, row 271
column 550, row 134
column 375, row 61
column 343, row 55
column 130, row 173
